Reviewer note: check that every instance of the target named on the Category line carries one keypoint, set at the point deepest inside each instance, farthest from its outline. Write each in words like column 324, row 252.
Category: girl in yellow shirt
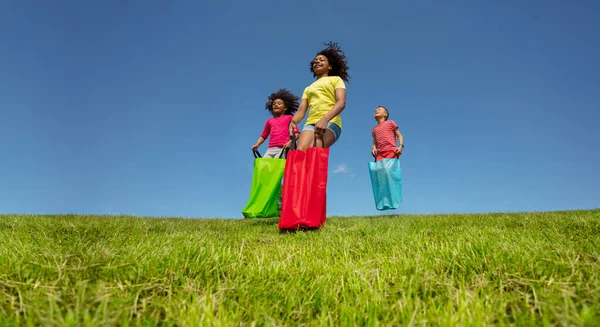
column 326, row 98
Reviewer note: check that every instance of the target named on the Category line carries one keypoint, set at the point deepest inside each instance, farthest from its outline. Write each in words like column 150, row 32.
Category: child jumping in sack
column 384, row 136
column 326, row 98
column 282, row 105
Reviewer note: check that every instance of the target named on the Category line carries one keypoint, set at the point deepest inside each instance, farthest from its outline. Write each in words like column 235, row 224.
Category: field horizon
column 383, row 214
column 517, row 268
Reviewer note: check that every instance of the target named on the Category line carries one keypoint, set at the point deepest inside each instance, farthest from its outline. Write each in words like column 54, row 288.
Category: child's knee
column 302, row 146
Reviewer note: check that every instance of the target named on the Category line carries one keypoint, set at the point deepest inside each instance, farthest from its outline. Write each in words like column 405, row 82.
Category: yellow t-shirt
column 321, row 98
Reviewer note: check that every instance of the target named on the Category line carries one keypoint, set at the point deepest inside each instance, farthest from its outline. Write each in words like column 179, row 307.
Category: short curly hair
column 290, row 100
column 337, row 61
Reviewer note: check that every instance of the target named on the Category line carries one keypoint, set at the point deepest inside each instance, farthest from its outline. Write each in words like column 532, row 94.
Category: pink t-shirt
column 385, row 135
column 278, row 129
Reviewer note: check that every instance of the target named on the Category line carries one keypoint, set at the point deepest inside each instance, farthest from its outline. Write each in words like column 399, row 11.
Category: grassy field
column 452, row 270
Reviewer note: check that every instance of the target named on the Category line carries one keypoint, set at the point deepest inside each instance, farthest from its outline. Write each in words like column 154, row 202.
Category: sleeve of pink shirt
column 394, row 126
column 266, row 130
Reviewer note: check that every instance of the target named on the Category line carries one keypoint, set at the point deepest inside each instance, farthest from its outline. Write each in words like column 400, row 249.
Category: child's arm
column 288, row 144
column 298, row 116
column 263, row 136
column 374, row 149
column 400, row 140
column 258, row 143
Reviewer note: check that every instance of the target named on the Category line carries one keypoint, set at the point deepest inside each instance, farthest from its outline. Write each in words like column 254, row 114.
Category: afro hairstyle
column 290, row 100
column 337, row 61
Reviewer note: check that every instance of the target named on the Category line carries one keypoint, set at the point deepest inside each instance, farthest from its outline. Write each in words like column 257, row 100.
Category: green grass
column 451, row 270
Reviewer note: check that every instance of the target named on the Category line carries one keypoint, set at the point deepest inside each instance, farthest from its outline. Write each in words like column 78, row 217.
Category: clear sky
column 151, row 107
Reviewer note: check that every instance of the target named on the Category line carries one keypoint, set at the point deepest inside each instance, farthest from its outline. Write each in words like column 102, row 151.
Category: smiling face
column 278, row 107
column 380, row 112
column 321, row 66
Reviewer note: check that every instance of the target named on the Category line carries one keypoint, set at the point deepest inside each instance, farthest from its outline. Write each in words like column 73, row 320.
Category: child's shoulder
column 336, row 80
column 285, row 117
column 271, row 120
column 327, row 79
column 385, row 123
column 392, row 123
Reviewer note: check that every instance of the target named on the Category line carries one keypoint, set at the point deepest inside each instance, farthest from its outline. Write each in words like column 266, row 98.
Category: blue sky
column 151, row 107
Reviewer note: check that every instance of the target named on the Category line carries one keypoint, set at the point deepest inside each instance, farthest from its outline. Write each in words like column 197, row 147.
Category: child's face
column 278, row 107
column 380, row 112
column 321, row 65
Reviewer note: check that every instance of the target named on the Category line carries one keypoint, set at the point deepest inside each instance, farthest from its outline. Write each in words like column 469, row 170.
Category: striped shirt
column 385, row 135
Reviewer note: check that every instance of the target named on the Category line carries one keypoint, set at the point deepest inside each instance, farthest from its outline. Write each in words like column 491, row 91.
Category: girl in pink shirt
column 282, row 105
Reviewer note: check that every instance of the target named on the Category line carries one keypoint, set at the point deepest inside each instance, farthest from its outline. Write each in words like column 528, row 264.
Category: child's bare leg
column 305, row 140
column 328, row 138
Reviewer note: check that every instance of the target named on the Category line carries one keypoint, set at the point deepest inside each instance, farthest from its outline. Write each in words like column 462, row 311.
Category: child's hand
column 374, row 152
column 292, row 127
column 254, row 147
column 287, row 145
column 321, row 126
column 399, row 150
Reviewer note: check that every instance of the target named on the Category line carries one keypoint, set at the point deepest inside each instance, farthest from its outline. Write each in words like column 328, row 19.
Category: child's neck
column 322, row 75
column 279, row 115
column 380, row 120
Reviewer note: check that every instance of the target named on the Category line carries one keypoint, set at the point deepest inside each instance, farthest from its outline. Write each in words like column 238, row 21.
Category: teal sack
column 386, row 180
column 266, row 187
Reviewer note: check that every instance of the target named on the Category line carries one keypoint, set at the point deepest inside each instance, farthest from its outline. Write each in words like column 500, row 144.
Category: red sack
column 304, row 188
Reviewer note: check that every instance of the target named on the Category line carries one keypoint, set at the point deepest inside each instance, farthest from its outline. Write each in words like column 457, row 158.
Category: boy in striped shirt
column 384, row 136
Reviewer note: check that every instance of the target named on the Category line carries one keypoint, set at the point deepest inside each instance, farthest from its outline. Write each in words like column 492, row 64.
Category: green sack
column 266, row 187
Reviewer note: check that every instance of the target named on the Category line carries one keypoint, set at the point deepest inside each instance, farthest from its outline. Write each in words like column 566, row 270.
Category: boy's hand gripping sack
column 304, row 188
column 386, row 180
column 266, row 187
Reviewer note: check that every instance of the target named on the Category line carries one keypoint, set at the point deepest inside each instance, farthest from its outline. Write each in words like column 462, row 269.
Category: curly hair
column 290, row 100
column 337, row 61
